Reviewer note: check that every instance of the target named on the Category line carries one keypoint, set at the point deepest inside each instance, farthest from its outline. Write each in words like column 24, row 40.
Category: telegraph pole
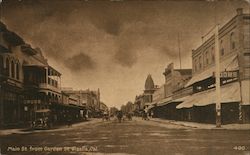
column 217, row 78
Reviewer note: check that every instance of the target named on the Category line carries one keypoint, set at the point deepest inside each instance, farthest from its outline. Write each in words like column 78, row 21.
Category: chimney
column 239, row 11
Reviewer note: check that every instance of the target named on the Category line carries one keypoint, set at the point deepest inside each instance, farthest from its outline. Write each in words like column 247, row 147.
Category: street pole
column 217, row 78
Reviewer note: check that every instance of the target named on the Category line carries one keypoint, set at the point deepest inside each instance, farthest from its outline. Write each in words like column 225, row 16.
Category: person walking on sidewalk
column 69, row 121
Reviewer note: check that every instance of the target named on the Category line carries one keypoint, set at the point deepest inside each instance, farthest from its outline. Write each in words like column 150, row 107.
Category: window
column 7, row 67
column 12, row 69
column 17, row 70
column 232, row 41
column 247, row 59
column 1, row 64
column 222, row 52
column 207, row 58
column 212, row 53
column 200, row 63
column 195, row 65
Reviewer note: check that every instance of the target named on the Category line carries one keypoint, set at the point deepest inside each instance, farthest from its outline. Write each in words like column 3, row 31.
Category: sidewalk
column 202, row 125
column 4, row 132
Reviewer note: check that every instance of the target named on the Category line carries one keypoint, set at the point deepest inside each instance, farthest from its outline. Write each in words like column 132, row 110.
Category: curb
column 195, row 127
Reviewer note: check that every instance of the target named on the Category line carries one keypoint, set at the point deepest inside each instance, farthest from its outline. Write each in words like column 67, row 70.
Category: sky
column 114, row 45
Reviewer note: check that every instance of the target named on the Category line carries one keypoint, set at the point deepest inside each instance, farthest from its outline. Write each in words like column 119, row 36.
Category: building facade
column 171, row 93
column 88, row 99
column 30, row 88
column 29, row 84
column 234, row 52
column 144, row 100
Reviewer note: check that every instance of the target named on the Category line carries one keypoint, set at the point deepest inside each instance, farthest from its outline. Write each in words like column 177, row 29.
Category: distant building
column 142, row 101
column 88, row 98
column 175, row 79
column 104, row 108
column 167, row 96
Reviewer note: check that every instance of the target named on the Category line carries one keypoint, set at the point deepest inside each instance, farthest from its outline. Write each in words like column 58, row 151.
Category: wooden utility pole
column 217, row 78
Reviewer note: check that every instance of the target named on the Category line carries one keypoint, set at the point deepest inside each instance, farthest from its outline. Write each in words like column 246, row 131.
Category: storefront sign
column 229, row 74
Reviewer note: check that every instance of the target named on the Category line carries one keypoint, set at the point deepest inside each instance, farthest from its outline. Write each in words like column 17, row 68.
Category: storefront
column 200, row 107
column 11, row 105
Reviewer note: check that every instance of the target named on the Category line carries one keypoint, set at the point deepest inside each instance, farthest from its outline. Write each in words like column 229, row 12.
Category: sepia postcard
column 124, row 77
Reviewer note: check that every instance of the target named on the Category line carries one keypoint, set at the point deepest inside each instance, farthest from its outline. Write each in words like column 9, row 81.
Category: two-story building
column 234, row 53
column 29, row 85
column 169, row 95
column 90, row 100
column 11, row 77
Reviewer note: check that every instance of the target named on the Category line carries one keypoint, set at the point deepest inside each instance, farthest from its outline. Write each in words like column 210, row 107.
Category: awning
column 245, row 92
column 181, row 99
column 42, row 110
column 153, row 104
column 228, row 64
column 148, row 103
column 170, row 100
column 229, row 93
column 164, row 101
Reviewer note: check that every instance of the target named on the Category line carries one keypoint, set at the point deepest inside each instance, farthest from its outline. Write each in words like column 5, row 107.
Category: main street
column 129, row 137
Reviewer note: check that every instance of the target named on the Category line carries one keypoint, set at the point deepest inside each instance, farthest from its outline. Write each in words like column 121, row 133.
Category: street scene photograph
column 124, row 77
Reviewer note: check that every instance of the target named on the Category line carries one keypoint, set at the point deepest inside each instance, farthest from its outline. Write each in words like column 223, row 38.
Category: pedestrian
column 119, row 116
column 69, row 121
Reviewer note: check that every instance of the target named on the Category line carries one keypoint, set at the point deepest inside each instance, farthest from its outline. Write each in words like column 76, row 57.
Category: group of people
column 145, row 116
column 41, row 123
column 121, row 117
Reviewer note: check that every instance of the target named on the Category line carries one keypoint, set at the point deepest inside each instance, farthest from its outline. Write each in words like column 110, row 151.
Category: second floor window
column 1, row 64
column 7, row 67
column 222, row 52
column 12, row 69
column 17, row 71
column 195, row 65
column 232, row 41
column 212, row 54
column 207, row 57
column 200, row 62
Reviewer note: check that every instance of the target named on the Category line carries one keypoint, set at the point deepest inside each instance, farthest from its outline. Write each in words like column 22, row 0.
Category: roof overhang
column 13, row 38
column 229, row 93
